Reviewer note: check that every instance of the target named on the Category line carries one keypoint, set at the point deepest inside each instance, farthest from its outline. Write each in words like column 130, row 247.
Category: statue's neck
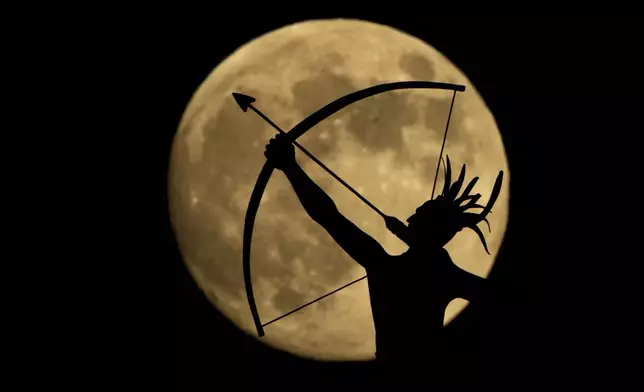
column 427, row 252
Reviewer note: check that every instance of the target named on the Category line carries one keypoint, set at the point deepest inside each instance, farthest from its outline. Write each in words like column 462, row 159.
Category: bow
column 297, row 131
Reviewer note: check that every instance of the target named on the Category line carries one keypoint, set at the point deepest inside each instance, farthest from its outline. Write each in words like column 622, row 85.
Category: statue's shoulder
column 445, row 255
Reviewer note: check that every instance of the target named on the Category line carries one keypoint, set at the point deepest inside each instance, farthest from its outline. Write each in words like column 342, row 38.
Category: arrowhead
column 244, row 101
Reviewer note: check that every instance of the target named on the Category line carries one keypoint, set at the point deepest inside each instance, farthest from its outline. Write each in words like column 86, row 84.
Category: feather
column 480, row 234
column 467, row 190
column 472, row 199
column 495, row 193
column 444, row 170
column 448, row 178
column 469, row 205
column 453, row 191
column 489, row 229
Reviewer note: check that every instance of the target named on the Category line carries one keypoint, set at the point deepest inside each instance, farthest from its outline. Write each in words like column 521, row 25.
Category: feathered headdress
column 454, row 209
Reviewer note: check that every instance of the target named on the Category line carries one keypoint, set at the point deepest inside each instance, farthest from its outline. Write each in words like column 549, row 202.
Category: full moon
column 386, row 147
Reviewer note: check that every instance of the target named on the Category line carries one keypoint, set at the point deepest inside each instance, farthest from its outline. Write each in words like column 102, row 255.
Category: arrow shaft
column 322, row 165
column 268, row 120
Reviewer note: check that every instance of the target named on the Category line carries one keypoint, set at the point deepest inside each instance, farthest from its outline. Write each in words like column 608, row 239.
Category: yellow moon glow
column 386, row 147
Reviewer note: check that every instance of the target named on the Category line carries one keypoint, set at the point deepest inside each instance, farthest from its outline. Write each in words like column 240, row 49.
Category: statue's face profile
column 431, row 224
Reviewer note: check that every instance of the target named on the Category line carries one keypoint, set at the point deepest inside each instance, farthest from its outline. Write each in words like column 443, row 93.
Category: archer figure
column 409, row 292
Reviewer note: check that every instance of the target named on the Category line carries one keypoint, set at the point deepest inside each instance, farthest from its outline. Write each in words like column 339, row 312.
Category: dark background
column 539, row 76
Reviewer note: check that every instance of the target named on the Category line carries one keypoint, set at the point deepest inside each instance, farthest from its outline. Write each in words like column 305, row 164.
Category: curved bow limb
column 292, row 135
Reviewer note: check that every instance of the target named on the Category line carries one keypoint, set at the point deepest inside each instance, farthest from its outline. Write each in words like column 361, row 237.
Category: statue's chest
column 414, row 283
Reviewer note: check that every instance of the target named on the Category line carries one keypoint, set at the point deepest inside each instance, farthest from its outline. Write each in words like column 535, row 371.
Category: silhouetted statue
column 409, row 292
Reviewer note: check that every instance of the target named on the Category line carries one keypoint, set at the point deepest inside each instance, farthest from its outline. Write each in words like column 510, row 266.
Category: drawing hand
column 398, row 228
column 280, row 152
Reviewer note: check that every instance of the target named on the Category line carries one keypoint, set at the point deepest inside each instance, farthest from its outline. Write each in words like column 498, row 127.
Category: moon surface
column 386, row 147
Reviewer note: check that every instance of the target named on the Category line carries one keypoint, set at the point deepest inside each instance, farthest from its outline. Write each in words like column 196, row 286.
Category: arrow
column 245, row 102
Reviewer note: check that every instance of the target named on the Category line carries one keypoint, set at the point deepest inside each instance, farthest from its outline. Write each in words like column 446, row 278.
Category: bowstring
column 440, row 156
column 440, row 159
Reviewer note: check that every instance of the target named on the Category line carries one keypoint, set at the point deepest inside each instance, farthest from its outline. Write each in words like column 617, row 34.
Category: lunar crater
column 312, row 94
column 376, row 121
column 417, row 66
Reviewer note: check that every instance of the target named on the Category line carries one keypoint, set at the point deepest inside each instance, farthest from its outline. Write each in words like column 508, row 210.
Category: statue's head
column 437, row 221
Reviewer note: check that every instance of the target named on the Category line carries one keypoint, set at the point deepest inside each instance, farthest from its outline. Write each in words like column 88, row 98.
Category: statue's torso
column 408, row 296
